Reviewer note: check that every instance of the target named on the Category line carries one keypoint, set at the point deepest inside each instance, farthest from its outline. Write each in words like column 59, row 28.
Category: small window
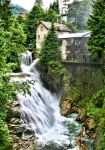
column 41, row 28
column 84, row 58
column 38, row 36
column 85, row 70
column 85, row 85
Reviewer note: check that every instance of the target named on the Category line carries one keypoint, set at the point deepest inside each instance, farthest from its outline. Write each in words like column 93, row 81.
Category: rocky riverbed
column 87, row 135
column 21, row 139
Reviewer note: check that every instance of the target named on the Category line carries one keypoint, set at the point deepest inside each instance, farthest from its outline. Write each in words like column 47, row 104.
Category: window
column 38, row 36
column 85, row 70
column 84, row 58
column 41, row 28
column 85, row 85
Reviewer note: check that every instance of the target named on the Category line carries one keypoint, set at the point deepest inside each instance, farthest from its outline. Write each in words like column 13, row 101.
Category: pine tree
column 35, row 16
column 50, row 49
column 51, row 15
column 50, row 62
column 96, row 24
column 55, row 6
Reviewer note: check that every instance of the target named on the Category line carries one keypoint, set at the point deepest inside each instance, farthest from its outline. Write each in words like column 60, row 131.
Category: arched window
column 38, row 36
column 41, row 28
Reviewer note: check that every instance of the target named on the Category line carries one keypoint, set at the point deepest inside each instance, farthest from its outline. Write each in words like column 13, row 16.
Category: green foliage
column 4, row 142
column 20, row 20
column 72, row 94
column 11, row 43
column 34, row 17
column 5, row 12
column 12, row 38
column 50, row 62
column 51, row 15
column 50, row 48
column 96, row 107
column 55, row 6
column 96, row 24
column 78, row 13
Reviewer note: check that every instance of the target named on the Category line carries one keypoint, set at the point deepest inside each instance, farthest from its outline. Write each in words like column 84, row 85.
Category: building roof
column 58, row 26
column 23, row 14
column 74, row 35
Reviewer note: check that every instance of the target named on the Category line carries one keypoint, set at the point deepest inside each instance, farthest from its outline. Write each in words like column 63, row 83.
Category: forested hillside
column 16, row 9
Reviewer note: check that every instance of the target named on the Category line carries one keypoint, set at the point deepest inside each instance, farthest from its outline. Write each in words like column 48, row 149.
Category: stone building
column 74, row 47
column 43, row 28
column 85, row 72
column 86, row 77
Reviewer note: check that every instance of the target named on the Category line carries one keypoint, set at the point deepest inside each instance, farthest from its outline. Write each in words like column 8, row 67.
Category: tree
column 50, row 49
column 12, row 38
column 51, row 15
column 55, row 6
column 96, row 24
column 50, row 62
column 5, row 12
column 34, row 17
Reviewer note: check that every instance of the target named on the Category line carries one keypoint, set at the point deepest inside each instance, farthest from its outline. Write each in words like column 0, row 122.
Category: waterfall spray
column 40, row 109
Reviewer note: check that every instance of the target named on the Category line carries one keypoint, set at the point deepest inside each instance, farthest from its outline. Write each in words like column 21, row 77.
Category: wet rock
column 65, row 107
column 81, row 115
column 28, row 131
column 90, row 124
column 18, row 141
column 93, row 136
column 83, row 147
column 15, row 121
column 82, row 131
column 80, row 142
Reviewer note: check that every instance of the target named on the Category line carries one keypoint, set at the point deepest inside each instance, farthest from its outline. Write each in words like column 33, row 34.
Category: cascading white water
column 40, row 109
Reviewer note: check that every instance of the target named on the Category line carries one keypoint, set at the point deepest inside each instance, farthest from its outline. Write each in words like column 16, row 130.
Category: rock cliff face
column 65, row 106
column 21, row 139
column 51, row 78
column 70, row 104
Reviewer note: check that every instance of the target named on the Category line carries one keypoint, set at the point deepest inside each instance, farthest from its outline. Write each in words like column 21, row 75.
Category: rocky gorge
column 34, row 110
column 22, row 139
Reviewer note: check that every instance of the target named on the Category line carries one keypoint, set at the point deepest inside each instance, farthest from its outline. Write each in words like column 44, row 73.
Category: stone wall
column 86, row 77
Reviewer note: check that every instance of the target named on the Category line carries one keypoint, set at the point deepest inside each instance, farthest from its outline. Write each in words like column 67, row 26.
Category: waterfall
column 40, row 108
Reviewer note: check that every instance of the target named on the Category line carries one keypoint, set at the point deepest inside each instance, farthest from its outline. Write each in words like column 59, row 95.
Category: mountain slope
column 16, row 9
